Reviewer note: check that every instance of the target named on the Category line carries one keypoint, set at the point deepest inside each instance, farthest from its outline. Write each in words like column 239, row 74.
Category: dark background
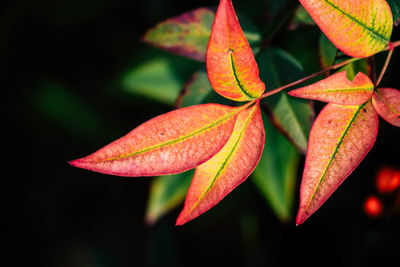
column 63, row 60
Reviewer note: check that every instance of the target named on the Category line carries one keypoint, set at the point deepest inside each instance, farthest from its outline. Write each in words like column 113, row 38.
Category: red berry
column 387, row 180
column 373, row 206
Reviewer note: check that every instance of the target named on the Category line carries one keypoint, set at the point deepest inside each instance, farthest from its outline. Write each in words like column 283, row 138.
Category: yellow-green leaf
column 359, row 28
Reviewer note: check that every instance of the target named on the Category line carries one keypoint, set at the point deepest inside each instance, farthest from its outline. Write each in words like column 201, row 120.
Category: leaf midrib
column 335, row 151
column 241, row 86
column 377, row 35
column 179, row 139
column 368, row 89
column 223, row 167
column 386, row 102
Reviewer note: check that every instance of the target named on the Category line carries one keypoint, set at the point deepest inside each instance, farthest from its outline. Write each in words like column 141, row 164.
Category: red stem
column 333, row 67
column 390, row 47
column 389, row 56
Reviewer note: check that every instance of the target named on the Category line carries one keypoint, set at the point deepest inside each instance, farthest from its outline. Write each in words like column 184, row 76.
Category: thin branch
column 390, row 47
column 333, row 67
column 389, row 56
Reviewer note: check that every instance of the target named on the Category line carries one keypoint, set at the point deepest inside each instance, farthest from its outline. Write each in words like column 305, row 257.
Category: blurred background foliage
column 77, row 77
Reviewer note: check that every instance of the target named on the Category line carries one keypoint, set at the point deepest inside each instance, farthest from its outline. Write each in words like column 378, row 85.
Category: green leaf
column 188, row 34
column 275, row 175
column 301, row 17
column 60, row 107
column 167, row 193
column 356, row 67
column 327, row 51
column 198, row 90
column 273, row 7
column 159, row 78
column 395, row 7
column 306, row 50
column 293, row 117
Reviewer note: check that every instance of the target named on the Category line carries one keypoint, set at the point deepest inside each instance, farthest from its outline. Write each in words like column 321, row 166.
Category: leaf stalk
column 390, row 47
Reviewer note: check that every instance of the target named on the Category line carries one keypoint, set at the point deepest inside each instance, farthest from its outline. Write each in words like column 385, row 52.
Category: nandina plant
column 224, row 143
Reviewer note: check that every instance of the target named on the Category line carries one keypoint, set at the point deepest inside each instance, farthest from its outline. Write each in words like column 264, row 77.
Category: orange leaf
column 170, row 143
column 232, row 69
column 359, row 28
column 387, row 103
column 217, row 177
column 339, row 139
column 337, row 89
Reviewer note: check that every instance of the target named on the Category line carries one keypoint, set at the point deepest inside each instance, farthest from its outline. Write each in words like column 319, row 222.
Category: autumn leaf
column 340, row 138
column 217, row 177
column 188, row 34
column 387, row 103
column 359, row 28
column 337, row 89
column 170, row 143
column 231, row 67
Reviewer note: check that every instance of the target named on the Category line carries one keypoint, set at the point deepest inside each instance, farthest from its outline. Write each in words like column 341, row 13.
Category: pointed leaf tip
column 170, row 143
column 217, row 177
column 337, row 89
column 359, row 28
column 387, row 103
column 231, row 66
column 340, row 138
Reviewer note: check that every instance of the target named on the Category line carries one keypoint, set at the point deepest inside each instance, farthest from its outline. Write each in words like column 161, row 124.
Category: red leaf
column 387, row 103
column 340, row 138
column 231, row 67
column 217, row 177
column 173, row 142
column 337, row 89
